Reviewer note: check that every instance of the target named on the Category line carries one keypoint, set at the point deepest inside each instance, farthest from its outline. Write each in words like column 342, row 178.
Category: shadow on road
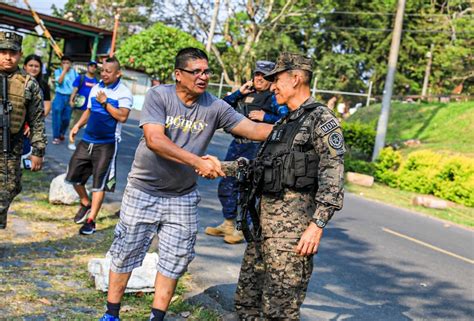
column 349, row 281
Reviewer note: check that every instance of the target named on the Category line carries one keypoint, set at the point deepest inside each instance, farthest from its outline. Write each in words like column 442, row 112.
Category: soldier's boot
column 234, row 238
column 3, row 221
column 4, row 205
column 225, row 228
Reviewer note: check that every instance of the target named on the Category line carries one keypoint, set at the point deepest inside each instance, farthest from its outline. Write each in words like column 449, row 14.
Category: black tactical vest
column 284, row 165
column 255, row 101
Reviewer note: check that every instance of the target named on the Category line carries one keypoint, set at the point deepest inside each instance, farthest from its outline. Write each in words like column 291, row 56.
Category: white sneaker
column 71, row 146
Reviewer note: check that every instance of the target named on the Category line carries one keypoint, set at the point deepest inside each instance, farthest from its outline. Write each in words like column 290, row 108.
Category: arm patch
column 335, row 143
column 329, row 126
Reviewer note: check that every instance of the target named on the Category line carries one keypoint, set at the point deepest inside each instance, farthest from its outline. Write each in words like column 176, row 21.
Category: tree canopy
column 349, row 40
column 134, row 14
column 154, row 49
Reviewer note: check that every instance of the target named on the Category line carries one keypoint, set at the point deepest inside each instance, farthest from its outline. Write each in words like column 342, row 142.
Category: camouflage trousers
column 273, row 281
column 13, row 183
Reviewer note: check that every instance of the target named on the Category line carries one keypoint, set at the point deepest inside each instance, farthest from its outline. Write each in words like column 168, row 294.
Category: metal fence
column 217, row 89
column 315, row 91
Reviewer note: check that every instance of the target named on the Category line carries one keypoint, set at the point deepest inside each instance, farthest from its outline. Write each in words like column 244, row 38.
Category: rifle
column 5, row 123
column 248, row 183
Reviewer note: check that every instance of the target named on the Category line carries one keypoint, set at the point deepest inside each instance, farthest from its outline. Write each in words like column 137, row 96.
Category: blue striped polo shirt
column 102, row 128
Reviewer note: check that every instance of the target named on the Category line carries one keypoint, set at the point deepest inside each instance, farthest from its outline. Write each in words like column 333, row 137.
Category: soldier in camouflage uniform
column 26, row 106
column 302, row 185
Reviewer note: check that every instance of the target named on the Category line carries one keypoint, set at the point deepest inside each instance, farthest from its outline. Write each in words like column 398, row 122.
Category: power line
column 435, row 31
column 385, row 13
column 325, row 28
column 372, row 13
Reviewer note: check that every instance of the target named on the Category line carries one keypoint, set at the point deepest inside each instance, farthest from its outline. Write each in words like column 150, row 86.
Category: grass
column 459, row 214
column 440, row 127
column 43, row 270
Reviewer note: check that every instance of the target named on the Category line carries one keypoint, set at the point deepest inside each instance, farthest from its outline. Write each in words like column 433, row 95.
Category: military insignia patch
column 336, row 140
column 329, row 126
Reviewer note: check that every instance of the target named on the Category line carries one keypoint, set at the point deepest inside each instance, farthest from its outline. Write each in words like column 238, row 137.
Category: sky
column 43, row 6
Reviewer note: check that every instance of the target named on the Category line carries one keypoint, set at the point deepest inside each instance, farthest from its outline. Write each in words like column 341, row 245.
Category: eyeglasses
column 198, row 72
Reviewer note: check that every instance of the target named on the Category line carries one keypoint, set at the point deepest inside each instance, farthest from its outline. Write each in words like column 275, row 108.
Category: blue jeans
column 227, row 191
column 61, row 114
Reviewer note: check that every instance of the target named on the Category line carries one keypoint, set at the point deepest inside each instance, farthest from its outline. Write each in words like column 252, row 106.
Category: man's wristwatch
column 319, row 222
column 104, row 104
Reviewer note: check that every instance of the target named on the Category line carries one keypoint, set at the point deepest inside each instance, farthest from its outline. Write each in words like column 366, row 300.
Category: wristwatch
column 319, row 222
column 104, row 104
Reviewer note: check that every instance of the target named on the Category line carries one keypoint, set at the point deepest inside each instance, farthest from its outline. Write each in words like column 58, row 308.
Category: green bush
column 358, row 166
column 359, row 140
column 427, row 172
column 455, row 180
column 386, row 166
column 418, row 171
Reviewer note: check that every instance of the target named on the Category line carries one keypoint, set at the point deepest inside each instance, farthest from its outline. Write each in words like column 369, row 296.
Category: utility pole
column 41, row 29
column 213, row 25
column 114, row 34
column 387, row 93
column 426, row 81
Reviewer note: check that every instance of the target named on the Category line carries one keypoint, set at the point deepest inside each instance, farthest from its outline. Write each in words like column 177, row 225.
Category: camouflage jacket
column 34, row 115
column 290, row 214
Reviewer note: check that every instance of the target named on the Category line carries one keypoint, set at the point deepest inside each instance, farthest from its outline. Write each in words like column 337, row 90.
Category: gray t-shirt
column 189, row 127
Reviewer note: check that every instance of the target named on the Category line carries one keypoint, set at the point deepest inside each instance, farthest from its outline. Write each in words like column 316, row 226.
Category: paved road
column 376, row 262
column 131, row 134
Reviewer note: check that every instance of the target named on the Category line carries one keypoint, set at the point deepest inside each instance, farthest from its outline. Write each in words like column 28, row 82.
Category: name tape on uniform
column 329, row 126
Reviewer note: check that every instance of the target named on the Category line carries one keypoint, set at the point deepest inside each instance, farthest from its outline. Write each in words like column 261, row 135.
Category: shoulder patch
column 329, row 126
column 336, row 140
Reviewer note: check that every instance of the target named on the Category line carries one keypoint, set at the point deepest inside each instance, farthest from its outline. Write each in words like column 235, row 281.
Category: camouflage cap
column 10, row 40
column 290, row 61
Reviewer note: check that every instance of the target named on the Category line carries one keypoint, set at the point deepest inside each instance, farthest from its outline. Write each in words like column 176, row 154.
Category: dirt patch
column 43, row 263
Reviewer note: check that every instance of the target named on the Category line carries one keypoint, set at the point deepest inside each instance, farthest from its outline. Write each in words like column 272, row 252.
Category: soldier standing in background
column 255, row 101
column 300, row 187
column 23, row 104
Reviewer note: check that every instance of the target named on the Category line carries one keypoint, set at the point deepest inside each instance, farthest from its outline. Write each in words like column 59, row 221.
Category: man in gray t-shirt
column 178, row 122
column 189, row 127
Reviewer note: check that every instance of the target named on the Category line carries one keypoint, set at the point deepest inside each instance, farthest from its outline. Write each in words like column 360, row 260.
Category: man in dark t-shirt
column 161, row 198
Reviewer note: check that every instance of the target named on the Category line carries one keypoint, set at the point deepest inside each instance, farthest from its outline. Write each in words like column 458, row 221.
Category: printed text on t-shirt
column 179, row 122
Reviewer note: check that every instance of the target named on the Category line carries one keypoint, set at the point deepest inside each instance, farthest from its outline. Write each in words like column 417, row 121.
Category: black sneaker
column 88, row 228
column 82, row 214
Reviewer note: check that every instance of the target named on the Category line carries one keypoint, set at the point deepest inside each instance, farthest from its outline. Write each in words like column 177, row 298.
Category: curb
column 212, row 299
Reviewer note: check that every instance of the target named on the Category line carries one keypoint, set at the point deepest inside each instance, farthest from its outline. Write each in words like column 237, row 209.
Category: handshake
column 209, row 167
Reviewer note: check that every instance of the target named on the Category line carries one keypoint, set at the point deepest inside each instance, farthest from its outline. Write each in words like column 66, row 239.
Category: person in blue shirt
column 80, row 94
column 255, row 101
column 64, row 78
column 108, row 106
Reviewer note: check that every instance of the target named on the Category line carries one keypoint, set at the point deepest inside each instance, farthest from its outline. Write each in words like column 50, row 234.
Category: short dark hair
column 186, row 54
column 63, row 58
column 306, row 76
column 113, row 60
